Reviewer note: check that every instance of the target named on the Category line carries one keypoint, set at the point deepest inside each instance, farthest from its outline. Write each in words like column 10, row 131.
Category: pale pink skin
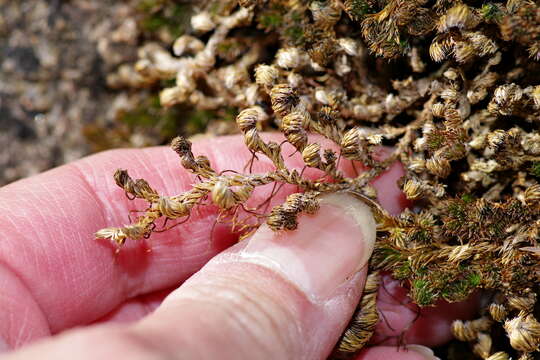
column 54, row 276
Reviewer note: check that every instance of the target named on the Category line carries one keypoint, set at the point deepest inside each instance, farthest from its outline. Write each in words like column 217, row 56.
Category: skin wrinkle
column 252, row 297
column 213, row 292
column 312, row 329
column 86, row 188
column 88, row 175
column 33, row 254
column 42, row 257
column 107, row 213
column 247, row 322
column 168, row 166
column 39, row 318
column 23, row 324
column 63, row 234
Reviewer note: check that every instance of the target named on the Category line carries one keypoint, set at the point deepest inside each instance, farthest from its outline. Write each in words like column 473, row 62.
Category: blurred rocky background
column 60, row 97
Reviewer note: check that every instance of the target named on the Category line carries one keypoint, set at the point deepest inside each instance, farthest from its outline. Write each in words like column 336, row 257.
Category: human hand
column 274, row 296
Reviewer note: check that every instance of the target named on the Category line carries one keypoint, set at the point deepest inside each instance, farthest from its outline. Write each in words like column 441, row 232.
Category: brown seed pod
column 222, row 195
column 438, row 166
column 524, row 333
column 247, row 119
column 293, row 125
column 327, row 116
column 171, row 208
column 253, row 140
column 413, row 189
column 523, row 303
column 469, row 330
column 284, row 99
column 283, row 217
column 532, row 195
column 325, row 15
column 460, row 16
column 138, row 188
column 501, row 355
column 482, row 348
column 311, row 155
column 498, row 312
column 353, row 144
column 266, row 75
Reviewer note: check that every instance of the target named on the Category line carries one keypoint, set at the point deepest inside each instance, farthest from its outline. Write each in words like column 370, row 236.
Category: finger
column 284, row 295
column 402, row 322
column 53, row 269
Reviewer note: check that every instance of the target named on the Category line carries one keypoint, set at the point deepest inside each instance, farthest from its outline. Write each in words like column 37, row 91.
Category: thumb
column 278, row 295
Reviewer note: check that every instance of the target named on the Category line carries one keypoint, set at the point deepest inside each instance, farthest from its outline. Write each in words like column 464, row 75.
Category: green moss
column 272, row 18
column 230, row 114
column 435, row 140
column 295, row 35
column 422, row 292
column 149, row 6
column 403, row 271
column 296, row 16
column 150, row 115
column 157, row 15
column 214, row 8
column 467, row 198
column 403, row 44
column 456, row 210
column 389, row 255
column 168, row 83
column 460, row 289
column 421, row 235
column 496, row 229
column 145, row 115
column 491, row 12
column 270, row 21
column 197, row 120
column 535, row 169
column 474, row 279
column 359, row 8
column 224, row 47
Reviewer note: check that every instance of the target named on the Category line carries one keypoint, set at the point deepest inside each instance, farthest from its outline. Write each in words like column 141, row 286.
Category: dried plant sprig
column 461, row 113
column 364, row 320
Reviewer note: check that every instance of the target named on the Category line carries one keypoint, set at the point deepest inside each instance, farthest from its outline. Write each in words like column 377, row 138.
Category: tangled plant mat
column 450, row 86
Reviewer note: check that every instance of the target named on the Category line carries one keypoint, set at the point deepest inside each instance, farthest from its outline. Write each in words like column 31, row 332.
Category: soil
column 54, row 59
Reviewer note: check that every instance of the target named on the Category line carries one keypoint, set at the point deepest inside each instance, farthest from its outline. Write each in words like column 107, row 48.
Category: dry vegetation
column 452, row 86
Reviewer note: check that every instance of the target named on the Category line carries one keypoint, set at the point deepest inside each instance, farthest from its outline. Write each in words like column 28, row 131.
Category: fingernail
column 426, row 352
column 326, row 249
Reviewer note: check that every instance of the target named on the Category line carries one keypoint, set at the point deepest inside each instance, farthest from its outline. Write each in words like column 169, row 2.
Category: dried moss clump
column 452, row 86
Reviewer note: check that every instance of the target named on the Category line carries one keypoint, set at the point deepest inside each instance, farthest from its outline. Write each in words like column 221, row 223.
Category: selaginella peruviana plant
column 451, row 86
